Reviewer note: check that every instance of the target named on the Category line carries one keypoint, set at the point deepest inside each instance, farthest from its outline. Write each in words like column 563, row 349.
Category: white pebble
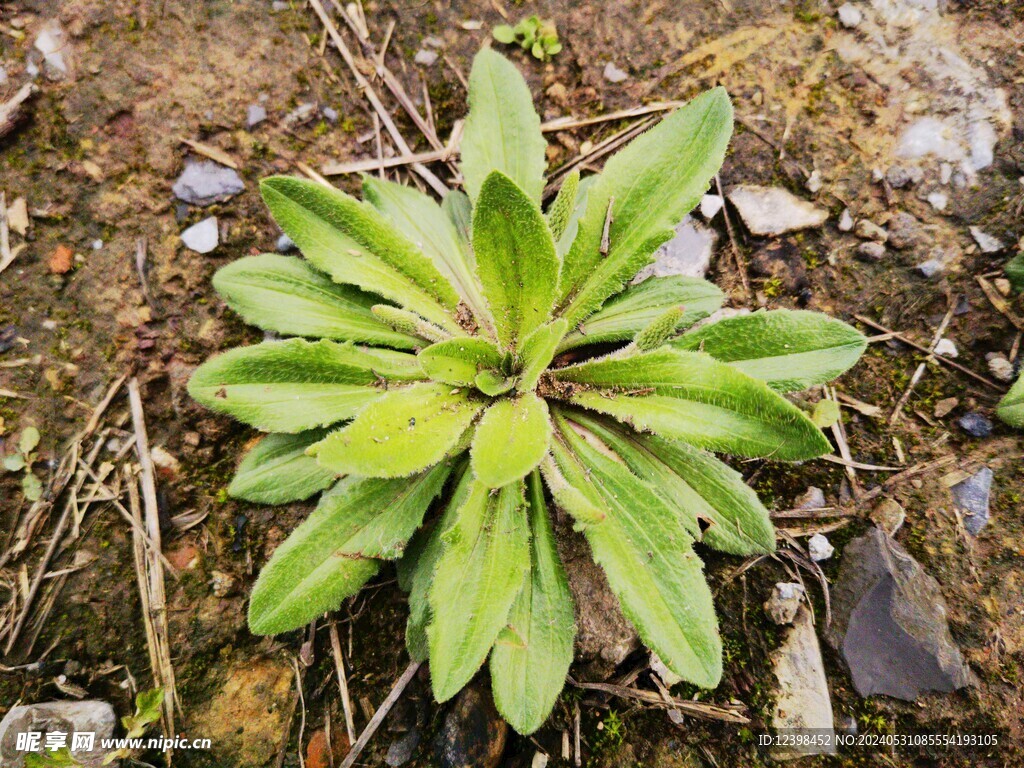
column 613, row 74
column 846, row 221
column 946, row 348
column 202, row 237
column 819, row 548
column 850, row 15
column 938, row 200
column 710, row 205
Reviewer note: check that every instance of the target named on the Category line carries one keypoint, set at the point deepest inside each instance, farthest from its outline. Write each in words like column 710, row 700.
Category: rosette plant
column 476, row 363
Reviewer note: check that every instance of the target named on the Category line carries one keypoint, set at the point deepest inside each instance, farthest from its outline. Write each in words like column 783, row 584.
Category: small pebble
column 871, row 251
column 846, row 221
column 202, row 237
column 868, row 230
column 710, row 205
column 784, row 602
column 999, row 366
column 254, row 115
column 613, row 74
column 97, row 245
column 812, row 498
column 899, row 176
column 930, row 268
column 945, row 173
column 985, row 241
column 284, row 244
column 425, row 58
column 975, row 425
column 938, row 200
column 850, row 15
column 945, row 406
column 946, row 348
column 889, row 516
column 330, row 114
column 814, row 182
column 819, row 548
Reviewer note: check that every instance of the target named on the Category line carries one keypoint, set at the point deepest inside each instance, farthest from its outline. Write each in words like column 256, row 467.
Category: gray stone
column 999, row 366
column 613, row 74
column 812, row 498
column 846, row 221
column 254, row 115
column 774, row 210
column 819, row 548
column 985, row 241
column 889, row 515
column 972, row 496
column 204, row 182
column 889, row 622
column 785, row 601
column 284, row 244
column 899, row 176
column 473, row 733
column 802, row 703
column 425, row 58
column 868, row 230
column 905, row 231
column 930, row 268
column 301, row 114
column 401, row 750
column 938, row 200
column 202, row 237
column 871, row 251
column 330, row 114
column 850, row 15
column 975, row 425
column 814, row 182
column 54, row 48
column 64, row 716
column 947, row 348
column 710, row 205
column 688, row 253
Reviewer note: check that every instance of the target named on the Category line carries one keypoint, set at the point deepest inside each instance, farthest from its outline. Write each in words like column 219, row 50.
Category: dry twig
column 702, row 711
column 378, row 717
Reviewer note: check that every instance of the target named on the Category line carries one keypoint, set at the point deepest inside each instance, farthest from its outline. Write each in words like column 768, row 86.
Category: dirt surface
column 95, row 158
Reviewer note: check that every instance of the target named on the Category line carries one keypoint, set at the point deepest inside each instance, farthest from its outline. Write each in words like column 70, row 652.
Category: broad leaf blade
column 355, row 244
column 502, row 131
column 622, row 317
column 458, row 361
column 286, row 295
column 515, row 258
column 295, row 385
column 1011, row 408
column 332, row 554
column 562, row 206
column 510, row 440
column 692, row 397
column 788, row 350
column 572, row 226
column 649, row 186
column 402, row 432
column 277, row 470
column 478, row 576
column 531, row 659
column 537, row 352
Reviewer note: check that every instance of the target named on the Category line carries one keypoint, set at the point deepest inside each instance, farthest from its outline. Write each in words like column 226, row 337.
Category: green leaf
column 703, row 491
column 515, row 258
column 355, row 244
column 532, row 656
column 563, row 205
column 295, row 385
column 788, row 350
column 659, row 330
column 422, row 220
column 503, row 33
column 409, row 323
column 14, row 462
column 510, row 440
column 31, row 487
column 651, row 567
column 458, row 361
column 690, row 396
column 402, row 432
column 28, row 441
column 459, row 210
column 573, row 496
column 278, row 470
column 537, row 352
column 492, row 383
column 826, row 413
column 478, row 576
column 1015, row 271
column 1011, row 408
column 624, row 316
column 502, row 131
column 579, row 209
column 338, row 548
column 148, row 708
column 649, row 186
column 286, row 295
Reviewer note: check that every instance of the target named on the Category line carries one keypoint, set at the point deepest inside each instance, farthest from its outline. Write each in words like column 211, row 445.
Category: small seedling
column 477, row 362
column 22, row 461
column 533, row 34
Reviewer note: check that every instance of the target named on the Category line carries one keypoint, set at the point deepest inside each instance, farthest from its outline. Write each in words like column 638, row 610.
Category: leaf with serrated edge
column 528, row 668
column 295, row 385
column 692, row 397
column 402, row 432
column 353, row 243
column 515, row 258
column 788, row 350
column 286, row 295
column 698, row 486
column 1011, row 408
column 277, row 470
column 566, row 478
column 651, row 567
column 502, row 131
column 478, row 576
column 537, row 352
column 562, row 206
column 332, row 554
column 625, row 315
column 420, row 219
column 458, row 361
column 510, row 440
column 650, row 185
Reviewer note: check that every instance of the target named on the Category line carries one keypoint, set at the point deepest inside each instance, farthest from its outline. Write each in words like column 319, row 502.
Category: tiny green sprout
column 452, row 372
column 533, row 34
column 22, row 461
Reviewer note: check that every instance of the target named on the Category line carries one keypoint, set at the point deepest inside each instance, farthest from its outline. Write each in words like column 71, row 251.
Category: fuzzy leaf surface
column 510, row 440
column 277, row 470
column 515, row 258
column 562, row 206
column 295, row 385
column 650, row 185
column 788, row 350
column 286, row 295
column 458, row 361
column 692, row 397
column 332, row 553
column 532, row 656
column 478, row 577
column 625, row 315
column 1011, row 408
column 402, row 432
column 502, row 131
column 537, row 352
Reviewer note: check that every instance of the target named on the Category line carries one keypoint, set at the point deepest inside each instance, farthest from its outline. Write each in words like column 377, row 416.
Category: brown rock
column 61, row 260
column 473, row 734
column 317, row 753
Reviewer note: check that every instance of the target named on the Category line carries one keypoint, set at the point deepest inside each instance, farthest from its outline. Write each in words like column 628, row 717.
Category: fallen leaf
column 17, row 216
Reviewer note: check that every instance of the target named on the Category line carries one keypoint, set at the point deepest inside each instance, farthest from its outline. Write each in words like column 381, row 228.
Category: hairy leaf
column 502, row 131
column 459, row 210
column 647, row 187
column 1011, row 408
column 570, row 488
column 402, row 432
column 458, row 361
column 510, row 440
column 492, row 383
column 286, row 295
column 532, row 656
column 1015, row 272
column 332, row 554
column 409, row 323
column 563, row 205
column 515, row 258
column 537, row 351
column 788, row 350
column 354, row 243
column 295, row 385
column 659, row 330
column 632, row 310
column 690, row 396
column 478, row 576
column 277, row 470
column 572, row 225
